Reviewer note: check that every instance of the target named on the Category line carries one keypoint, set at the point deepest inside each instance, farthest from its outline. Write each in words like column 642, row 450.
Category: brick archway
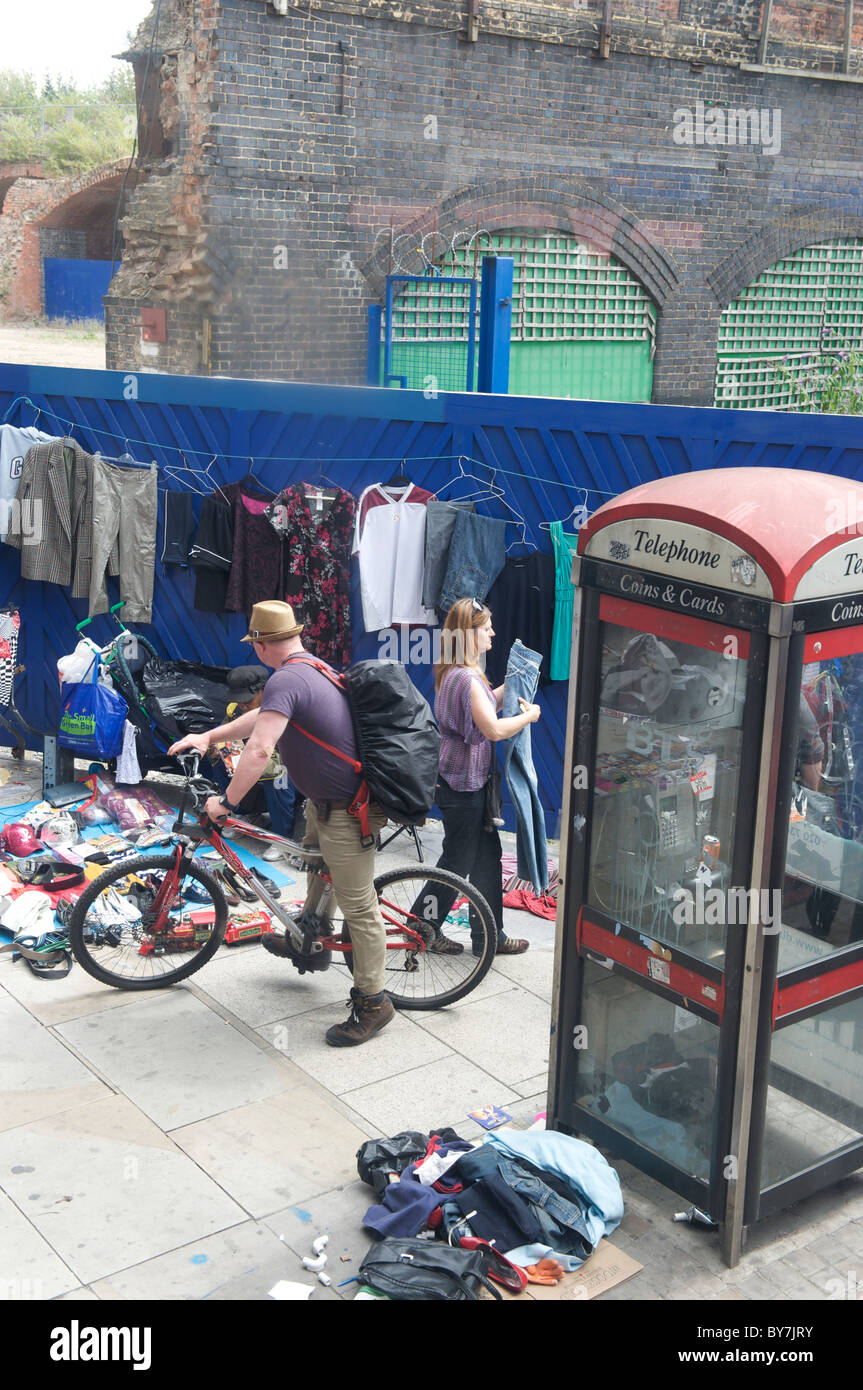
column 83, row 203
column 537, row 202
column 774, row 242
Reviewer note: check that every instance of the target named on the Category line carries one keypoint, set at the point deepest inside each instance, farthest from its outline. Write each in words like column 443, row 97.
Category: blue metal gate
column 74, row 289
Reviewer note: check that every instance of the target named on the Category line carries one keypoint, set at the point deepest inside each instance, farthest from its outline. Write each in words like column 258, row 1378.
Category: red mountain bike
column 152, row 920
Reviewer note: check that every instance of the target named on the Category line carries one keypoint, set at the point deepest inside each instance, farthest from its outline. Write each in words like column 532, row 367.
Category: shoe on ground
column 369, row 1013
column 512, row 946
column 271, row 853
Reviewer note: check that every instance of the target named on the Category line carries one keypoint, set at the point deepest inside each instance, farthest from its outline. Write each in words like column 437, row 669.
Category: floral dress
column 317, row 566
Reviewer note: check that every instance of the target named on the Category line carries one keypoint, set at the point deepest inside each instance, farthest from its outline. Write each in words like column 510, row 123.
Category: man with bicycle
column 298, row 694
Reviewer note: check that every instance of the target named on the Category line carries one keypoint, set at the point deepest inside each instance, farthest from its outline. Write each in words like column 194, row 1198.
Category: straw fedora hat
column 272, row 621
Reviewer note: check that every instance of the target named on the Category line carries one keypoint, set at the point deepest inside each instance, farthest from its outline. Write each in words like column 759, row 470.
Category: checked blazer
column 52, row 525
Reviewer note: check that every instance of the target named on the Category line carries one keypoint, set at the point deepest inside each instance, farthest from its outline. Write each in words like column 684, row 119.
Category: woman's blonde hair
column 465, row 615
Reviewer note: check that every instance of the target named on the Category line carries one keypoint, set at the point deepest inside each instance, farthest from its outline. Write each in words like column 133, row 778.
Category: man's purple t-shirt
column 309, row 698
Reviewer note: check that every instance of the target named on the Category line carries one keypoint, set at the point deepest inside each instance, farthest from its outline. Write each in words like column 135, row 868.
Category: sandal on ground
column 512, row 946
column 444, row 946
column 234, row 884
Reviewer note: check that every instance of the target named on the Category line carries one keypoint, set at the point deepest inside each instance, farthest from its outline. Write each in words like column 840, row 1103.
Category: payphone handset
column 674, row 808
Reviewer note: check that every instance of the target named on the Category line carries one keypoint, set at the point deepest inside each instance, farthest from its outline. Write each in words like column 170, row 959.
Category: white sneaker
column 272, row 852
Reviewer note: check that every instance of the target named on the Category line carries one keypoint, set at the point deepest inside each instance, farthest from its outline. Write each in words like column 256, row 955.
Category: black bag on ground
column 425, row 1270
column 378, row 1157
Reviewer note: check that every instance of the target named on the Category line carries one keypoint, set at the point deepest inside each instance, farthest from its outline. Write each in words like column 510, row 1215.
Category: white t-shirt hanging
column 15, row 443
column 389, row 540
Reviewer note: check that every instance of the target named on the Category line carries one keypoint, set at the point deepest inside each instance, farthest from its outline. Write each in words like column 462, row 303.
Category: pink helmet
column 19, row 839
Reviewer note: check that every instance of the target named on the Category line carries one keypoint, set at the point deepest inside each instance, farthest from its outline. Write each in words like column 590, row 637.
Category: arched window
column 582, row 326
column 771, row 336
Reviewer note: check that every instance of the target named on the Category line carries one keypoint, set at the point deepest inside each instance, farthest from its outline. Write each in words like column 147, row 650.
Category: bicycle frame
column 309, row 933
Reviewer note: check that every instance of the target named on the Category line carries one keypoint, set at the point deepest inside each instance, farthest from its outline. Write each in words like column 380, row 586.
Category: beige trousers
column 352, row 870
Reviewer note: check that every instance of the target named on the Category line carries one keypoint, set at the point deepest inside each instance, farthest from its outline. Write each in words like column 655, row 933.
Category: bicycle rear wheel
column 113, row 935
column 431, row 902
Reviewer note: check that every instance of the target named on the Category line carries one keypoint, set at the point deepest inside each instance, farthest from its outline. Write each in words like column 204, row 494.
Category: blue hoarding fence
column 538, row 456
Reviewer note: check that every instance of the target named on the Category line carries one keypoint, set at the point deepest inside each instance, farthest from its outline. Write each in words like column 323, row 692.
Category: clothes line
column 211, row 453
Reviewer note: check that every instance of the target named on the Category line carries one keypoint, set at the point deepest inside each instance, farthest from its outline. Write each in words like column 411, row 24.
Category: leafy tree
column 65, row 127
column 831, row 386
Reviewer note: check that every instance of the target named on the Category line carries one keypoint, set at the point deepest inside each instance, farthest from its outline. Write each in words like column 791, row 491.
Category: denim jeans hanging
column 477, row 554
column 522, row 675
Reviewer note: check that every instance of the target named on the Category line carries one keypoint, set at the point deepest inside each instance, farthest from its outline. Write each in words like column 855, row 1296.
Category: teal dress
column 561, row 638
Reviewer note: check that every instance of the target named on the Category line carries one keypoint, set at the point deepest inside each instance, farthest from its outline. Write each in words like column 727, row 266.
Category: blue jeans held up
column 522, row 675
column 477, row 554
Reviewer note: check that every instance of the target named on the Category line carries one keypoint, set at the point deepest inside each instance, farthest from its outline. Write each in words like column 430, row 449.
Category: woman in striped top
column 466, row 708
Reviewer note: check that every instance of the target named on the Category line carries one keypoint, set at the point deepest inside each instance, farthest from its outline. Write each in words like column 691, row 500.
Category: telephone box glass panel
column 822, row 895
column 647, row 1068
column 815, row 1091
column 666, row 783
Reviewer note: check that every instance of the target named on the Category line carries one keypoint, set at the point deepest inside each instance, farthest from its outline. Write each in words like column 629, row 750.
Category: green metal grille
column 780, row 318
column 582, row 326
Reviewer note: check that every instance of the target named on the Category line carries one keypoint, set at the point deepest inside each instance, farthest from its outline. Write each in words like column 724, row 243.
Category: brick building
column 291, row 159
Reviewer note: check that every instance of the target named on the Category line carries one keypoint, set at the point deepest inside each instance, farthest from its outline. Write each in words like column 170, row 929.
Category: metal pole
column 750, row 986
column 849, row 25
column 765, row 31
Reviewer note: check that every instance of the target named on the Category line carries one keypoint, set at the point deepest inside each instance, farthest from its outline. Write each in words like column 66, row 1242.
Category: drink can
column 710, row 847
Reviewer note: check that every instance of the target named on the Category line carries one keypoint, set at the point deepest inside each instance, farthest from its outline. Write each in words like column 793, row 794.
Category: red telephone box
column 709, row 962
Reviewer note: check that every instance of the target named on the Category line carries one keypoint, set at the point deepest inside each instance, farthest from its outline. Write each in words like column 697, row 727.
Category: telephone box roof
column 784, row 518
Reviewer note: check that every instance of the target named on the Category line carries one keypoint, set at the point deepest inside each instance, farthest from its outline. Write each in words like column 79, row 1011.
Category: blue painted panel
column 543, row 450
column 74, row 289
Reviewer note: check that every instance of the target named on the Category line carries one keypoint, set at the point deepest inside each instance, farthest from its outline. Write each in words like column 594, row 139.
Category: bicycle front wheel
column 122, row 937
column 432, row 904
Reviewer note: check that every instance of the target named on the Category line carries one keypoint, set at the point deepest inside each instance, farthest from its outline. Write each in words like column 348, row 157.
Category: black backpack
column 398, row 741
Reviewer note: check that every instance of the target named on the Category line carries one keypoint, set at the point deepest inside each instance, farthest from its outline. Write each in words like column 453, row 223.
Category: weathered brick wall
column 324, row 129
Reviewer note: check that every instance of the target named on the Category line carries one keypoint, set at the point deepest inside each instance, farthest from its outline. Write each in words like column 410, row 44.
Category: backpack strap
column 359, row 807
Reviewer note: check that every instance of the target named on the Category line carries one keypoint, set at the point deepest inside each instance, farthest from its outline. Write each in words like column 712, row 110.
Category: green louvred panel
column 582, row 326
column 783, row 318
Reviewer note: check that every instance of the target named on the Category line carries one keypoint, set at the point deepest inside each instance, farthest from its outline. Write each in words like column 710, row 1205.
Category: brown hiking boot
column 369, row 1013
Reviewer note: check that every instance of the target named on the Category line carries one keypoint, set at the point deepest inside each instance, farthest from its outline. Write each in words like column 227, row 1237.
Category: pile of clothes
column 534, row 1194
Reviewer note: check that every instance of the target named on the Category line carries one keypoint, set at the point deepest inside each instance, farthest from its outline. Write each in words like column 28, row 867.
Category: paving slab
column 533, row 1086
column 242, row 1263
column 59, row 1000
column 260, row 989
column 29, row 1268
column 338, row 1214
column 533, row 971
column 106, row 1188
column 398, row 1048
column 506, row 1036
column 177, row 1059
column 438, row 1093
column 275, row 1152
column 39, row 1075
